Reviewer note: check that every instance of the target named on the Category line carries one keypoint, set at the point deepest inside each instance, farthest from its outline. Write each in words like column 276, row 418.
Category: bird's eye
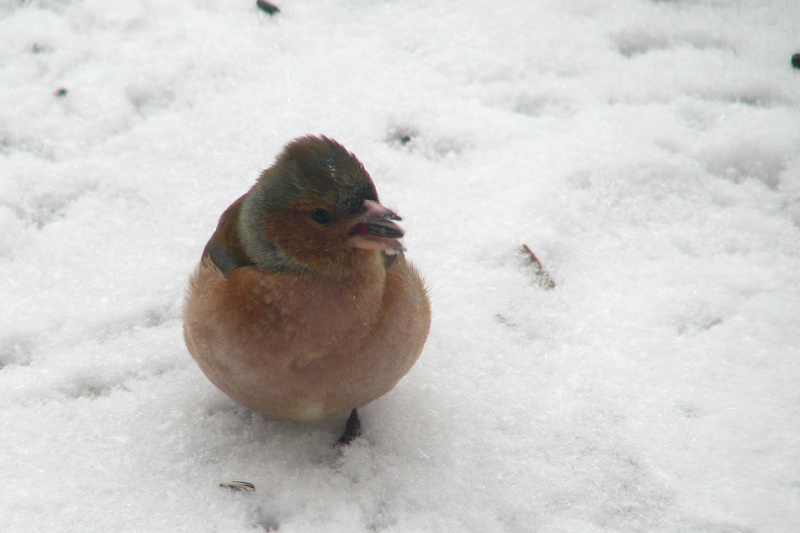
column 321, row 215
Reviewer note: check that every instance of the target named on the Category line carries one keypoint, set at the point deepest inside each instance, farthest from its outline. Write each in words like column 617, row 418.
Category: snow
column 647, row 151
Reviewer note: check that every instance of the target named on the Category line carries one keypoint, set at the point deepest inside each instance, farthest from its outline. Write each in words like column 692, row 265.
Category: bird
column 303, row 305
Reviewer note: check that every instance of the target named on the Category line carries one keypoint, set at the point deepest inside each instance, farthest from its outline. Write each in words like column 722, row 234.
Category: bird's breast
column 302, row 347
column 298, row 317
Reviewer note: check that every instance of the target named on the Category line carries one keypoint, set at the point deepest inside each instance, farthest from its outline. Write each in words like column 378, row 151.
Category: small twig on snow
column 542, row 276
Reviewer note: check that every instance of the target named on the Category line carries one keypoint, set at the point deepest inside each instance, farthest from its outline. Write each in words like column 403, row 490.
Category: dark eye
column 321, row 215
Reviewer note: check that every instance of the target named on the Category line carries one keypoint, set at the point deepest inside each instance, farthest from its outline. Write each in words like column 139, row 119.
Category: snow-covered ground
column 647, row 151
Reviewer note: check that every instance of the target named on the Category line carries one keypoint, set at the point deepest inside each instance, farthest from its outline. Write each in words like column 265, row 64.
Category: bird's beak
column 375, row 230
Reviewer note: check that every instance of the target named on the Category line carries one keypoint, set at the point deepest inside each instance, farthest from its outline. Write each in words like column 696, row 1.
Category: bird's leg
column 352, row 429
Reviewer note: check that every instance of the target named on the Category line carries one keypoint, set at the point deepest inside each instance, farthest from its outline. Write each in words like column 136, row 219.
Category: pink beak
column 375, row 229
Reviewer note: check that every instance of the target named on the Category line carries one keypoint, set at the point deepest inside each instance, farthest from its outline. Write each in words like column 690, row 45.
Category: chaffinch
column 304, row 305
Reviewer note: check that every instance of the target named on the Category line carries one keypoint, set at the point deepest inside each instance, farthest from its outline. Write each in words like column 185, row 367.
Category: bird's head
column 316, row 207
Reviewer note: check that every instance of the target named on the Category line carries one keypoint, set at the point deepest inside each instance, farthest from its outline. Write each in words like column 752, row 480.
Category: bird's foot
column 352, row 429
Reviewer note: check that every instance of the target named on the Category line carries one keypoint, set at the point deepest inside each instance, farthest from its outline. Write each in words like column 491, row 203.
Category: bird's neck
column 263, row 253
